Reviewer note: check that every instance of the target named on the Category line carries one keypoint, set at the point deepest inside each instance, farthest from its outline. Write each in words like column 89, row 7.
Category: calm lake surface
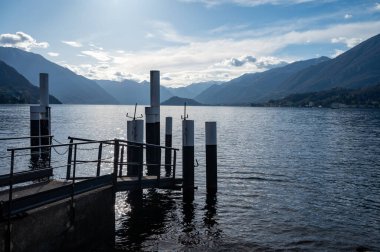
column 289, row 179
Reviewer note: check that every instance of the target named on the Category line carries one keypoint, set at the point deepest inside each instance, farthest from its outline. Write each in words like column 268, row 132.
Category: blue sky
column 188, row 40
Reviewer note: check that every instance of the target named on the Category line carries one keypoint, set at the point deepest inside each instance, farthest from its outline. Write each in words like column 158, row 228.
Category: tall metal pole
column 45, row 114
column 152, row 115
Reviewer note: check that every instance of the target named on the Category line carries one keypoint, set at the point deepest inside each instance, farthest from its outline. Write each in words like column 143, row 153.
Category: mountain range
column 15, row 88
column 253, row 87
column 64, row 84
column 179, row 101
column 131, row 92
column 356, row 68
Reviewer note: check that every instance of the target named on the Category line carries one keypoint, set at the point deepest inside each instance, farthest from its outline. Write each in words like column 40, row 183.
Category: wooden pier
column 38, row 188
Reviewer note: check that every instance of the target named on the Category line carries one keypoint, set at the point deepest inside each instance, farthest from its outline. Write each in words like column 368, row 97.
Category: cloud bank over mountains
column 218, row 50
column 21, row 40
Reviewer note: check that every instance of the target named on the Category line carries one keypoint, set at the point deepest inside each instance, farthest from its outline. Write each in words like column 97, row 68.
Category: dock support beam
column 211, row 157
column 135, row 133
column 35, row 132
column 152, row 115
column 45, row 115
column 168, row 143
column 40, row 121
column 188, row 160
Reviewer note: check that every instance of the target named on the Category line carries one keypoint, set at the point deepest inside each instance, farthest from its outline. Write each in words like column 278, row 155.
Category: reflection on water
column 147, row 216
column 289, row 179
column 158, row 219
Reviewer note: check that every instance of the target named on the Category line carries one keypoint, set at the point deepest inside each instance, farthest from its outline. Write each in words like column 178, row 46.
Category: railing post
column 9, row 231
column 121, row 161
column 73, row 184
column 159, row 170
column 99, row 159
column 69, row 157
column 174, row 164
column 141, row 161
column 50, row 143
column 115, row 162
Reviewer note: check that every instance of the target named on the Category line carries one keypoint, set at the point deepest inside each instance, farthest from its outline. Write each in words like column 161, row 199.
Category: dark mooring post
column 152, row 115
column 188, row 160
column 211, row 157
column 168, row 143
column 45, row 114
column 135, row 133
column 40, row 121
column 35, row 132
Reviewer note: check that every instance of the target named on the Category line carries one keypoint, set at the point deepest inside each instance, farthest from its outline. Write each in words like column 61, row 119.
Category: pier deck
column 38, row 194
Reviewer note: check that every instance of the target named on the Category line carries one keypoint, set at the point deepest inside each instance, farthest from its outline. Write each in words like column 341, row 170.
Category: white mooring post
column 135, row 133
column 211, row 158
column 188, row 160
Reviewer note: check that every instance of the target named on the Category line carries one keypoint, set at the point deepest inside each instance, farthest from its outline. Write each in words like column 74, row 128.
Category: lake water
column 289, row 179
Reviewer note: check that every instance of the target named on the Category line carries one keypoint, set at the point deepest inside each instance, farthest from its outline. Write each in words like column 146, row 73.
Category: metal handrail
column 27, row 137
column 137, row 144
column 59, row 145
column 72, row 161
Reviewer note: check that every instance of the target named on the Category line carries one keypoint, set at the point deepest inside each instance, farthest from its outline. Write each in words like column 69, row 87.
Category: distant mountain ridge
column 356, row 68
column 67, row 86
column 15, row 88
column 365, row 97
column 192, row 90
column 180, row 101
column 253, row 87
column 131, row 92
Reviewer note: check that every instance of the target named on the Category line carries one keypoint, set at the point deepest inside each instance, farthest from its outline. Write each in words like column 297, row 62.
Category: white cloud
column 347, row 16
column 228, row 28
column 166, row 32
column 252, row 62
column 217, row 59
column 97, row 54
column 376, row 7
column 72, row 43
column 21, row 40
column 149, row 35
column 336, row 53
column 53, row 54
column 249, row 3
column 350, row 42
